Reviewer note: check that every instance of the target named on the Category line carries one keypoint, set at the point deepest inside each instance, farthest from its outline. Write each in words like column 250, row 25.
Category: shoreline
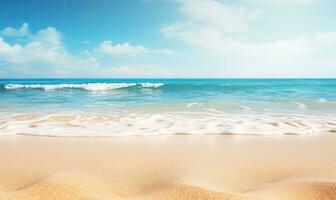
column 188, row 123
column 231, row 136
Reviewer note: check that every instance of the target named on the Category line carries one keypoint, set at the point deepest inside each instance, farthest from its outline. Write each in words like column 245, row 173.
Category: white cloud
column 107, row 47
column 44, row 54
column 45, row 49
column 209, row 21
column 227, row 18
column 213, row 26
column 326, row 38
column 8, row 52
column 219, row 40
column 12, row 32
column 45, row 46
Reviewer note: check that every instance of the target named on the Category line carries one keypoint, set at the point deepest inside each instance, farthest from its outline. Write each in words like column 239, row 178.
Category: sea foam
column 84, row 86
column 321, row 100
column 151, row 85
column 81, row 125
column 301, row 105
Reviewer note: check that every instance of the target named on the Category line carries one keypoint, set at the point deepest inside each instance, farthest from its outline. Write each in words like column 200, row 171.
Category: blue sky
column 167, row 38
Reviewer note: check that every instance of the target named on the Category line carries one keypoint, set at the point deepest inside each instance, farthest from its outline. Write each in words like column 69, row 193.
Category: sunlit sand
column 168, row 167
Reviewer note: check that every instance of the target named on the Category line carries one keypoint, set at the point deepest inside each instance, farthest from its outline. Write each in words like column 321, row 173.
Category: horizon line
column 167, row 78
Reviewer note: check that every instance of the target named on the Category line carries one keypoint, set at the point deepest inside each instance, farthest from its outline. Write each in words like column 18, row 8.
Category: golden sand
column 168, row 167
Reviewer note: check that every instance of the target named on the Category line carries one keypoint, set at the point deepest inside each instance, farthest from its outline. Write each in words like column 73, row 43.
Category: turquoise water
column 229, row 95
column 167, row 106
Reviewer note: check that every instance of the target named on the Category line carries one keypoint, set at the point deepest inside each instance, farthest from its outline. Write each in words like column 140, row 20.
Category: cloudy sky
column 167, row 38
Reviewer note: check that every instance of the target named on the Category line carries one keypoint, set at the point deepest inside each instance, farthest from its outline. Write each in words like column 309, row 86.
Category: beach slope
column 168, row 167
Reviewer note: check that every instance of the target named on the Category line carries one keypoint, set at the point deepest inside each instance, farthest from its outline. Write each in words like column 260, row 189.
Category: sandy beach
column 168, row 167
column 168, row 100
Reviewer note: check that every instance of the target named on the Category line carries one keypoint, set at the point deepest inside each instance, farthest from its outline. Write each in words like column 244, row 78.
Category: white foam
column 321, row 100
column 189, row 105
column 301, row 105
column 151, row 85
column 81, row 125
column 245, row 108
column 84, row 86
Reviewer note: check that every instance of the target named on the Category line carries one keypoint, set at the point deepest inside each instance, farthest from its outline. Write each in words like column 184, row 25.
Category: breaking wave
column 84, row 86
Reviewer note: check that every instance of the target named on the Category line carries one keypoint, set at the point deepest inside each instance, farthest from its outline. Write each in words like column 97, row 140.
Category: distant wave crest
column 84, row 86
column 151, row 85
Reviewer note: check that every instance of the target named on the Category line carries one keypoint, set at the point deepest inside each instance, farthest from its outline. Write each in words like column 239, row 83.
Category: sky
column 167, row 39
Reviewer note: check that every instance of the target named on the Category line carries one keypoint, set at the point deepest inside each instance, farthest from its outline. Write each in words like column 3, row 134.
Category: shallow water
column 110, row 107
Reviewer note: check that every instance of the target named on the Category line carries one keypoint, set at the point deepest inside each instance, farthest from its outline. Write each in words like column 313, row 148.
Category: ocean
column 123, row 107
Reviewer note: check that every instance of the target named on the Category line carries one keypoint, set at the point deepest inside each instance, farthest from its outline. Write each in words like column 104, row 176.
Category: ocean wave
column 321, row 100
column 151, row 85
column 84, row 86
column 192, row 104
column 81, row 125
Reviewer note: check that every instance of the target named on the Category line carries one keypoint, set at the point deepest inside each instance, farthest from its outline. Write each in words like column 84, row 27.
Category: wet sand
column 168, row 167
